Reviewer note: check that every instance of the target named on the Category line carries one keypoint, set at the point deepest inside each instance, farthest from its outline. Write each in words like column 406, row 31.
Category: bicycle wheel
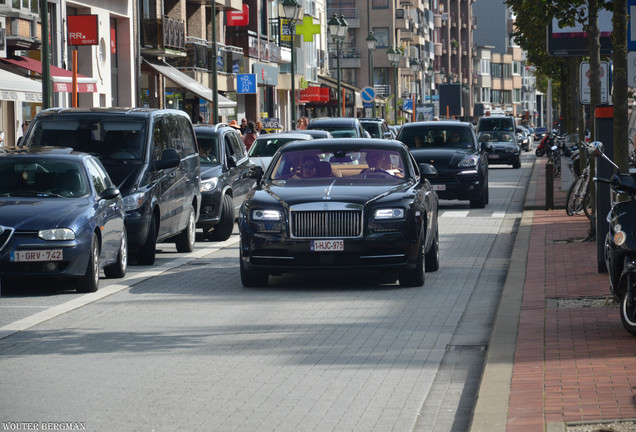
column 570, row 198
column 587, row 204
column 580, row 193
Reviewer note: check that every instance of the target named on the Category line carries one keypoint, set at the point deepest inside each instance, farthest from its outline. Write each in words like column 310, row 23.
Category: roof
column 287, row 135
column 133, row 112
column 59, row 152
column 344, row 121
column 438, row 123
column 345, row 143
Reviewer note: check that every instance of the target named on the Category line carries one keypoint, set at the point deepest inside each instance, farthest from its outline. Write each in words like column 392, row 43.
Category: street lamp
column 394, row 58
column 430, row 87
column 291, row 9
column 372, row 41
column 338, row 29
column 416, row 64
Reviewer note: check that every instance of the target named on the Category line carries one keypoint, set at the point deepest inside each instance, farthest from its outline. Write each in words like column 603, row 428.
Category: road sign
column 584, row 82
column 367, row 94
column 407, row 105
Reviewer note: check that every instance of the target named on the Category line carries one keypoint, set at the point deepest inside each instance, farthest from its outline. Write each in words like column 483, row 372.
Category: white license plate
column 493, row 156
column 327, row 245
column 439, row 187
column 36, row 255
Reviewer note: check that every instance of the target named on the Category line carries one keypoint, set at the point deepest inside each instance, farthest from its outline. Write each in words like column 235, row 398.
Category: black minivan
column 152, row 157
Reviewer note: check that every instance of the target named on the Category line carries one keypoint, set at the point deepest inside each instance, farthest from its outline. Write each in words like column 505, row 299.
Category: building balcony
column 401, row 19
column 163, row 37
column 437, row 20
column 350, row 14
column 406, row 35
column 437, row 49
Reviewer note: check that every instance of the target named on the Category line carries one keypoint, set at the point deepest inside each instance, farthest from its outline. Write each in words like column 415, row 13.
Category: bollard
column 549, row 186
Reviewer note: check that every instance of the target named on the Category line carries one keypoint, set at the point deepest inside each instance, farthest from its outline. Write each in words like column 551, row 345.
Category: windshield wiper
column 33, row 194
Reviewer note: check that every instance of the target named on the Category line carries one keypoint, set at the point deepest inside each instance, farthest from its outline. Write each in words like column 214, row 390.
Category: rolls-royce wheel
column 251, row 278
column 431, row 259
column 414, row 277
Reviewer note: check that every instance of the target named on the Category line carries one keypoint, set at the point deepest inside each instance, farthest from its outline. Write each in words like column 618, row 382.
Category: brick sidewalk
column 571, row 364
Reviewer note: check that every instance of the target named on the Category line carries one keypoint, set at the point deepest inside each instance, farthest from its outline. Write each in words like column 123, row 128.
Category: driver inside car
column 378, row 161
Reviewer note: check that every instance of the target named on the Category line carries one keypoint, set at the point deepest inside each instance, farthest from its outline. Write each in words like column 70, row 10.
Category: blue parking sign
column 246, row 83
column 408, row 105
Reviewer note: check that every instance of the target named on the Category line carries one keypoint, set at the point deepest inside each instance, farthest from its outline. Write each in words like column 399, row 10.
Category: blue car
column 61, row 217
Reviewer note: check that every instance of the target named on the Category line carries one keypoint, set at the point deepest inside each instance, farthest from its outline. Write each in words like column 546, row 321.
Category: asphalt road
column 183, row 346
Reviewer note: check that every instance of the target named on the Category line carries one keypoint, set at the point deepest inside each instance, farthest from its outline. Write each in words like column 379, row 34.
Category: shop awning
column 182, row 80
column 62, row 78
column 18, row 88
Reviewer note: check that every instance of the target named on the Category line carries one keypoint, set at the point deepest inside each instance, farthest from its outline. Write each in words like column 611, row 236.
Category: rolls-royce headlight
column 395, row 213
column 57, row 234
column 209, row 184
column 468, row 161
column 266, row 215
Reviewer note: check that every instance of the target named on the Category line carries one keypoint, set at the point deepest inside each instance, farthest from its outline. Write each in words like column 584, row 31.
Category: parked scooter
column 546, row 143
column 620, row 243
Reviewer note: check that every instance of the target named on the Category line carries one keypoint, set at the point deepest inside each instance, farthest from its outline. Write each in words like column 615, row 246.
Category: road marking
column 37, row 318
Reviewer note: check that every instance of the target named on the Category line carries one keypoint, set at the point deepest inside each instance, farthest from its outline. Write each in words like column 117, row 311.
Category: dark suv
column 224, row 180
column 377, row 128
column 461, row 162
column 150, row 154
column 340, row 127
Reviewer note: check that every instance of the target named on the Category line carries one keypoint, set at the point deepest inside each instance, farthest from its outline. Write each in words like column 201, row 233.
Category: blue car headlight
column 209, row 184
column 133, row 201
column 57, row 234
column 391, row 213
column 469, row 161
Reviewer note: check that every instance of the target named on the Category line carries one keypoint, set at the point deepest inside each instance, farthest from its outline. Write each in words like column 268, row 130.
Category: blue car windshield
column 42, row 178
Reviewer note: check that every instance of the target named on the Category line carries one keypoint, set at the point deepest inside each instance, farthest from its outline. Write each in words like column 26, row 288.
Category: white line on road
column 83, row 300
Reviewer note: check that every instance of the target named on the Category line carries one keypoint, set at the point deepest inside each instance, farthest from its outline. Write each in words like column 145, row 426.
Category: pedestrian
column 243, row 125
column 25, row 126
column 250, row 134
column 233, row 123
column 302, row 123
column 259, row 128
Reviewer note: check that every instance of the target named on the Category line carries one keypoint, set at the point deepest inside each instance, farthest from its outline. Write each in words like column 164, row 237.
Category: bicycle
column 578, row 198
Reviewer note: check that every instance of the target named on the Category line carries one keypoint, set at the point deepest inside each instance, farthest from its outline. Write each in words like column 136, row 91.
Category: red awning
column 62, row 78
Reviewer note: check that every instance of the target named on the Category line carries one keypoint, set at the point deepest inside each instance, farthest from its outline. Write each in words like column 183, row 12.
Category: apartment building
column 505, row 82
column 99, row 66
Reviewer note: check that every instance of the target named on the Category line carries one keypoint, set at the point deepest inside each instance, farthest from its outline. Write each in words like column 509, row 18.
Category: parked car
column 266, row 145
column 224, row 180
column 496, row 123
column 315, row 133
column 312, row 210
column 452, row 147
column 524, row 138
column 395, row 129
column 151, row 156
column 61, row 217
column 377, row 128
column 340, row 127
column 504, row 148
column 539, row 133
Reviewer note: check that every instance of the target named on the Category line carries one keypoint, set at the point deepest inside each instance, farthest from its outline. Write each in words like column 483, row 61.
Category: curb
column 491, row 408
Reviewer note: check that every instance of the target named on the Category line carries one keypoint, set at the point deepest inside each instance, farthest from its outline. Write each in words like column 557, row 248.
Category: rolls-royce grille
column 327, row 224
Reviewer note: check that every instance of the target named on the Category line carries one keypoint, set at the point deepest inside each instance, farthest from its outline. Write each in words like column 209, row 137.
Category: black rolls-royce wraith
column 340, row 204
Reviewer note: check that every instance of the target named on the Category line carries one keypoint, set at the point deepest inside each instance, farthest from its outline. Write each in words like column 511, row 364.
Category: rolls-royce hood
column 332, row 191
column 440, row 157
column 32, row 214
